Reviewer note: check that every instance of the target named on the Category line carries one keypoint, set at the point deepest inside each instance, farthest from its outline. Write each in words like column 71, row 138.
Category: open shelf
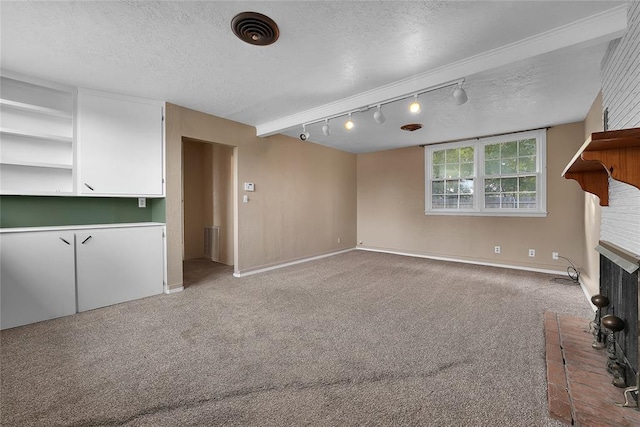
column 37, row 135
column 614, row 154
column 35, row 108
column 37, row 164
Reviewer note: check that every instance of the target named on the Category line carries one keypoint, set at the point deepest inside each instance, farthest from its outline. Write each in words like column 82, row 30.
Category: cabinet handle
column 88, row 186
column 65, row 241
column 86, row 240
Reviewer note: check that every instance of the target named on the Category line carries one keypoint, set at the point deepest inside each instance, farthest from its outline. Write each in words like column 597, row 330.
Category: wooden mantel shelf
column 613, row 153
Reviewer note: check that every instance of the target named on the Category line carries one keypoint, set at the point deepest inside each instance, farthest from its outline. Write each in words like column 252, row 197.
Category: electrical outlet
column 532, row 253
column 338, row 240
column 142, row 202
column 496, row 249
column 554, row 255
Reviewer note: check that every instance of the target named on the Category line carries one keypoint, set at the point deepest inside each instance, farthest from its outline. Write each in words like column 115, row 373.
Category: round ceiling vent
column 411, row 127
column 255, row 28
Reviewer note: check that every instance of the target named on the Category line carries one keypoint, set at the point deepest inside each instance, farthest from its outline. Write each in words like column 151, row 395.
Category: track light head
column 326, row 130
column 378, row 116
column 304, row 135
column 460, row 95
column 349, row 123
column 415, row 105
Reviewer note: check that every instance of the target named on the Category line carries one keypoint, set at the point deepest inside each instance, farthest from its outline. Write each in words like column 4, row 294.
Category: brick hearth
column 579, row 388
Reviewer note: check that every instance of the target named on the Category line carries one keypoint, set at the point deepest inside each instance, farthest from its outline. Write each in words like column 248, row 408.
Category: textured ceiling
column 185, row 53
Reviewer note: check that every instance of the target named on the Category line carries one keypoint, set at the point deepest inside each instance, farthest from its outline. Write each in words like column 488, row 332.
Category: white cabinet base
column 117, row 265
column 37, row 280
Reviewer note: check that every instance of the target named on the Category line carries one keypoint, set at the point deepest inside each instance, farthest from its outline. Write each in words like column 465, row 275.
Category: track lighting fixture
column 378, row 116
column 326, row 131
column 415, row 105
column 349, row 123
column 304, row 135
column 459, row 94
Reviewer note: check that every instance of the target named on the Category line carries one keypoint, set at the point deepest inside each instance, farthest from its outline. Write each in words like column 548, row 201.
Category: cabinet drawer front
column 37, row 277
column 117, row 265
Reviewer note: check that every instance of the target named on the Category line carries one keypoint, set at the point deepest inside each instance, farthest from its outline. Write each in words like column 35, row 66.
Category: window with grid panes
column 489, row 176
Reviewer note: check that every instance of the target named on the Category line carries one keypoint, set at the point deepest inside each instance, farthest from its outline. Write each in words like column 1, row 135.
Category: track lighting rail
column 366, row 108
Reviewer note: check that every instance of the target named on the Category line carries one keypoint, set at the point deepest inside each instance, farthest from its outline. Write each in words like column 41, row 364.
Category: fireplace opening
column 619, row 283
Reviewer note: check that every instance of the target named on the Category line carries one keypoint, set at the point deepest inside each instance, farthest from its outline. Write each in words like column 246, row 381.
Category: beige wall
column 592, row 210
column 195, row 170
column 305, row 196
column 221, row 202
column 391, row 212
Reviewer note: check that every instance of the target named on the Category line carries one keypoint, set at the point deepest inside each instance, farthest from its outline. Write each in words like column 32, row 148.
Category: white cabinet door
column 37, row 280
column 120, row 145
column 117, row 265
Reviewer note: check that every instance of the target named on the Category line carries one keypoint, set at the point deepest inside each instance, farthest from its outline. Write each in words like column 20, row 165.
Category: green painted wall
column 30, row 211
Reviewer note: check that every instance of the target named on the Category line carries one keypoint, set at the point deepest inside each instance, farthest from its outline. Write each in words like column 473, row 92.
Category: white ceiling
column 526, row 64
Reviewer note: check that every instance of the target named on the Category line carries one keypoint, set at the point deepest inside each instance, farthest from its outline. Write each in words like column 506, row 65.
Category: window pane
column 509, row 200
column 451, row 187
column 492, row 167
column 451, row 202
column 452, row 156
column 437, row 187
column 437, row 202
column 509, row 149
column 453, row 171
column 509, row 184
column 527, row 183
column 492, row 201
column 466, row 155
column 509, row 166
column 466, row 202
column 492, row 185
column 528, row 200
column 527, row 147
column 492, row 151
column 466, row 170
column 438, row 157
column 526, row 164
column 466, row 186
column 438, row 171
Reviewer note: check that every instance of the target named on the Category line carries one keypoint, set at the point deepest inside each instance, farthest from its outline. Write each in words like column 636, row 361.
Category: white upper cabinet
column 36, row 138
column 120, row 145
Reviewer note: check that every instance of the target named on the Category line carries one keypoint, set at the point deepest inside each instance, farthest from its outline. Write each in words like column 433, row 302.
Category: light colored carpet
column 355, row 339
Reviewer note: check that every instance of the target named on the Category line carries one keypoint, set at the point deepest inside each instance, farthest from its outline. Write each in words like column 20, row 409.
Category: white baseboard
column 464, row 261
column 287, row 264
column 516, row 267
column 174, row 290
column 586, row 294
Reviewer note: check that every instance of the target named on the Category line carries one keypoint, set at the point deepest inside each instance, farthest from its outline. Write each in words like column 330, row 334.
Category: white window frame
column 478, row 145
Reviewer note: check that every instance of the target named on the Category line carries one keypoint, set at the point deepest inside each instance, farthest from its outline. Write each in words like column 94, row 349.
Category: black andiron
column 614, row 324
column 599, row 301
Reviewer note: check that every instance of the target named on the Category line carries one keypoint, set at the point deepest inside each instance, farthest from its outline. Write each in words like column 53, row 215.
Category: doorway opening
column 207, row 210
